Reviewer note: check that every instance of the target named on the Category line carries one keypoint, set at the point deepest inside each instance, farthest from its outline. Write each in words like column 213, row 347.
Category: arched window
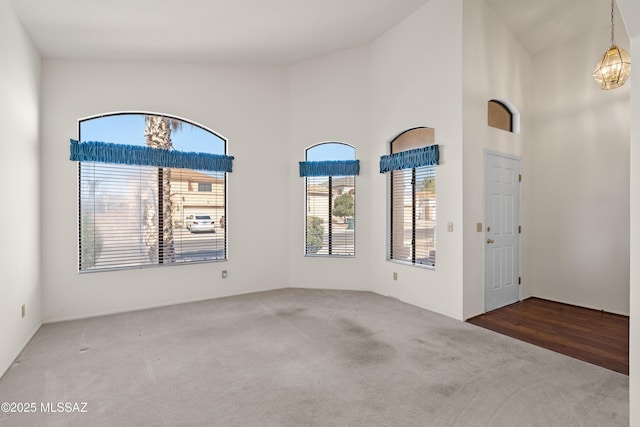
column 502, row 114
column 412, row 196
column 330, row 173
column 152, row 190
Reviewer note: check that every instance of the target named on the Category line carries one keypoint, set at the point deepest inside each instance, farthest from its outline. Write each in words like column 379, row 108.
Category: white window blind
column 330, row 215
column 413, row 215
column 123, row 221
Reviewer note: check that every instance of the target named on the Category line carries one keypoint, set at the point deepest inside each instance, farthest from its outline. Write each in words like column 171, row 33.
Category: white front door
column 501, row 237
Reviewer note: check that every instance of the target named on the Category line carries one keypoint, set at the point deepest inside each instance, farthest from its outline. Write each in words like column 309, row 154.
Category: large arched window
column 412, row 196
column 152, row 190
column 330, row 173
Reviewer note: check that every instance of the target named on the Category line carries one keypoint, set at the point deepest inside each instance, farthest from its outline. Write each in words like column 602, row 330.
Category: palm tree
column 157, row 134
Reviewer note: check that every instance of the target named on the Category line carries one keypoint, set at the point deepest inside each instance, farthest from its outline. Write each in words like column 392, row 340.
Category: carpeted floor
column 296, row 357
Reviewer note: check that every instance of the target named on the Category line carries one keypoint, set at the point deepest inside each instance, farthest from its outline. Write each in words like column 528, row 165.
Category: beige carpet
column 296, row 357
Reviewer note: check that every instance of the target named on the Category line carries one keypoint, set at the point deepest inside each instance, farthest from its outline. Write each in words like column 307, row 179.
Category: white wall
column 416, row 81
column 634, row 299
column 20, row 213
column 631, row 12
column 246, row 104
column 329, row 102
column 495, row 66
column 578, row 198
column 634, row 234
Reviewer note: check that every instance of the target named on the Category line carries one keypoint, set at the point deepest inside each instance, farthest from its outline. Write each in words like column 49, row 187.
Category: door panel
column 502, row 240
column 508, row 215
column 508, row 265
column 497, row 268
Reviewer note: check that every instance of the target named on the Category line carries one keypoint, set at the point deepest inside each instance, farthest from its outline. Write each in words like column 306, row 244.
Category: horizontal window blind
column 413, row 215
column 330, row 216
column 136, row 216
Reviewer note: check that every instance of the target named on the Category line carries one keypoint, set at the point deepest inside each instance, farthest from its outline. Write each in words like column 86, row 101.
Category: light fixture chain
column 613, row 24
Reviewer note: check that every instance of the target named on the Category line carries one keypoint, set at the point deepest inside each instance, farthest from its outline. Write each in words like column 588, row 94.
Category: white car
column 200, row 223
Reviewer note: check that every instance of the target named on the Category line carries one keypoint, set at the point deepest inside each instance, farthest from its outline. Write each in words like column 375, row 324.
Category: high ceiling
column 264, row 31
column 540, row 24
column 228, row 31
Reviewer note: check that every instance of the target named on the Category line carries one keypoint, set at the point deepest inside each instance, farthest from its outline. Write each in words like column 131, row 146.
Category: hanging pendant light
column 614, row 67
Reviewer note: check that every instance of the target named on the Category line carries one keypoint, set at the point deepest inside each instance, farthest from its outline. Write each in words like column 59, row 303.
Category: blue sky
column 331, row 151
column 129, row 129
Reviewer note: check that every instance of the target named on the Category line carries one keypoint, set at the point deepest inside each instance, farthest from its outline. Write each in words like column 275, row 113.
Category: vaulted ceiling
column 541, row 24
column 265, row 31
column 227, row 31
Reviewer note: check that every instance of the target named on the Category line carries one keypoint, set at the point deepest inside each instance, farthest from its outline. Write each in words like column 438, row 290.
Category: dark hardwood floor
column 594, row 336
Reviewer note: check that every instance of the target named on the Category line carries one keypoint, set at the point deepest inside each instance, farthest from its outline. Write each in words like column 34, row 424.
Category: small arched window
column 152, row 190
column 330, row 173
column 503, row 115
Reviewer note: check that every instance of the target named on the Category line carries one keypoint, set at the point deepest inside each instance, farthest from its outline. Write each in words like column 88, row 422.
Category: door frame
column 487, row 153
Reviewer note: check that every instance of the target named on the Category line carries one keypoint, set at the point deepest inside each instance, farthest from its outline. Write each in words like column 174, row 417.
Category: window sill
column 410, row 264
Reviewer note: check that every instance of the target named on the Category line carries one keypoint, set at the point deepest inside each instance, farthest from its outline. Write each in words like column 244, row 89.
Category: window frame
column 430, row 172
column 331, row 201
column 224, row 197
column 499, row 116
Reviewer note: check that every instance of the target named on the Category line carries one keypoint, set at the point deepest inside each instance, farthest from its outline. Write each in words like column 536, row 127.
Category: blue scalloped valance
column 103, row 152
column 330, row 168
column 424, row 156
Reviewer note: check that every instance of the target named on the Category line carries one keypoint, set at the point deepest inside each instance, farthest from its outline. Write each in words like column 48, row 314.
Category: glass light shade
column 613, row 69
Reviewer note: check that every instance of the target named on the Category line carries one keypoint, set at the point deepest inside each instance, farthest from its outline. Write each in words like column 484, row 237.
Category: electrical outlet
column 395, row 276
column 24, row 310
column 224, row 274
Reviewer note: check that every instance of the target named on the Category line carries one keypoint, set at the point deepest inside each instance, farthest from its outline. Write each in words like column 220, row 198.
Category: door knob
column 489, row 241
